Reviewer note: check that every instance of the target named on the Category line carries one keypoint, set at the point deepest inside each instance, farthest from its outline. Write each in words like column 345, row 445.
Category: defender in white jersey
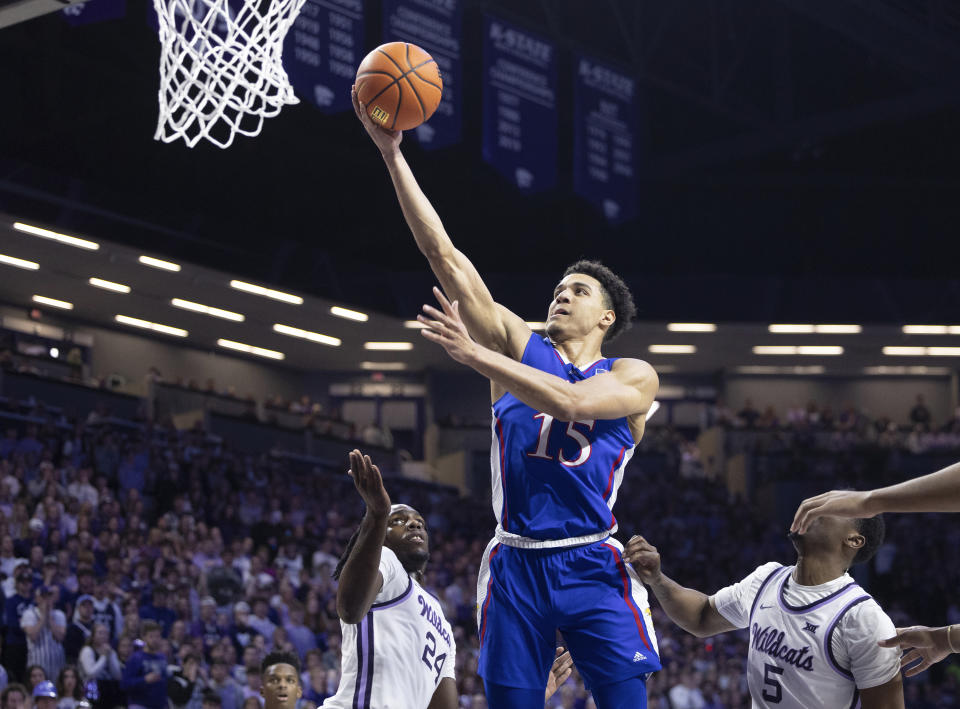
column 397, row 648
column 814, row 632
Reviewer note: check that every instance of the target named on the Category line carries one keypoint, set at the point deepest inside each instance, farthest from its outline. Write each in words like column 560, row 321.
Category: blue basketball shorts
column 588, row 593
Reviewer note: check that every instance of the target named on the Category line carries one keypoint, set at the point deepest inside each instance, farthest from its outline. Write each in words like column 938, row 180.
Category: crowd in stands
column 151, row 566
column 847, row 427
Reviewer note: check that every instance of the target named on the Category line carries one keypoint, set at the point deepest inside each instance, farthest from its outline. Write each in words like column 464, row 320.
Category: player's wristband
column 949, row 642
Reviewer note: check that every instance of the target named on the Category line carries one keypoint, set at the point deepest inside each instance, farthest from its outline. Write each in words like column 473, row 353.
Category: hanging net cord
column 221, row 70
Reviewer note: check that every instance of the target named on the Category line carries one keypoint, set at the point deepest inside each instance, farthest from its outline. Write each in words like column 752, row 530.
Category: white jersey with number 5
column 810, row 646
column 396, row 656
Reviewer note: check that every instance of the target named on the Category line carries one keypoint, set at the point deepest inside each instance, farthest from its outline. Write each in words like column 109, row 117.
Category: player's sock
column 630, row 693
column 501, row 697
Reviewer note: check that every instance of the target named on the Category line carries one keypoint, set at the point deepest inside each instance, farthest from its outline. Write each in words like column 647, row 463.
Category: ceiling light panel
column 147, row 325
column 388, row 346
column 348, row 314
column 250, row 349
column 307, row 335
column 266, row 292
column 691, row 327
column 57, row 236
column 207, row 310
column 52, row 302
column 672, row 349
column 159, row 263
column 109, row 285
column 19, row 262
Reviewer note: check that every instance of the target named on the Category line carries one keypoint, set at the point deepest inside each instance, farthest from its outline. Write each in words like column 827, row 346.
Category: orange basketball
column 400, row 85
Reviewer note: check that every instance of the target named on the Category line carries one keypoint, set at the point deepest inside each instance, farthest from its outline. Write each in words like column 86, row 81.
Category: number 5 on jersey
column 543, row 440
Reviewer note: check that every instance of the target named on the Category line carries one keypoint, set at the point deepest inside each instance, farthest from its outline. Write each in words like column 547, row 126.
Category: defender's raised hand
column 369, row 483
column 387, row 140
column 837, row 503
column 929, row 645
column 644, row 558
column 446, row 328
column 562, row 669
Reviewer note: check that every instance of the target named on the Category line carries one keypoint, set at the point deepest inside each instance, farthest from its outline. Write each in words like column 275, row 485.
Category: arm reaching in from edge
column 936, row 492
column 628, row 390
column 929, row 645
column 690, row 609
column 360, row 579
column 488, row 322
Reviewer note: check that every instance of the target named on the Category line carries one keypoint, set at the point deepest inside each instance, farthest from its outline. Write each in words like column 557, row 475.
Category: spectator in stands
column 145, row 673
column 34, row 676
column 100, row 663
column 252, row 686
column 300, row 636
column 920, row 414
column 185, row 688
column 748, row 414
column 260, row 622
column 79, row 631
column 15, row 642
column 45, row 628
column 45, row 695
column 14, row 696
column 104, row 609
column 69, row 688
column 242, row 632
column 221, row 683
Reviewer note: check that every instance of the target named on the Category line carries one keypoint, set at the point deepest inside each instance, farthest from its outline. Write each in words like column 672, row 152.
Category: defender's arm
column 690, row 609
column 886, row 696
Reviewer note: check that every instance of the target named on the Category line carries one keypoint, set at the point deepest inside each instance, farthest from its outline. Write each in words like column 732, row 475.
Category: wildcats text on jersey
column 769, row 640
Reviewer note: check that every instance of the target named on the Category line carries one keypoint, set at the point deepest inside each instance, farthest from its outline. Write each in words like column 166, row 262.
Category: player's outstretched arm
column 629, row 390
column 445, row 695
column 928, row 645
column 690, row 609
column 488, row 322
column 936, row 492
column 886, row 696
column 360, row 579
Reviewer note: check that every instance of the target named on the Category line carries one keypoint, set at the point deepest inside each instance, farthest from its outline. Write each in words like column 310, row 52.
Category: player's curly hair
column 616, row 294
column 873, row 530
column 281, row 657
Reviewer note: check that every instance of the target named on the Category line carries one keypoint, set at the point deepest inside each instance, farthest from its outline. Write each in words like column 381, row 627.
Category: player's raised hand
column 561, row 670
column 366, row 476
column 387, row 140
column 644, row 557
column 446, row 328
column 928, row 645
column 837, row 503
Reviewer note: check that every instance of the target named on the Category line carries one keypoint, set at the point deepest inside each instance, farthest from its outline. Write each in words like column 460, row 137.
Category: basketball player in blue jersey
column 566, row 420
column 815, row 634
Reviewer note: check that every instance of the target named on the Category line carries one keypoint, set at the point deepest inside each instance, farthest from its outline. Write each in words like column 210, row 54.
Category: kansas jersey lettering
column 810, row 646
column 396, row 656
column 556, row 479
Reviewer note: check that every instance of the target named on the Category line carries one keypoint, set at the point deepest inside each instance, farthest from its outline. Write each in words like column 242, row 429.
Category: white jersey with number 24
column 396, row 656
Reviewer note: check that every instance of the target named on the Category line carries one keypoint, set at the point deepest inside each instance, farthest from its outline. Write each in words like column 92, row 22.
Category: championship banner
column 520, row 105
column 322, row 51
column 94, row 11
column 436, row 26
column 604, row 115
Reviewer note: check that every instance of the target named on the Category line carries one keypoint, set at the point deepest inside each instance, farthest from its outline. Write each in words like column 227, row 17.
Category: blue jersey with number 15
column 556, row 479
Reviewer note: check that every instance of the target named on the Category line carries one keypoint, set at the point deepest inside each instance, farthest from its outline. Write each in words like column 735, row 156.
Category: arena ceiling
column 800, row 157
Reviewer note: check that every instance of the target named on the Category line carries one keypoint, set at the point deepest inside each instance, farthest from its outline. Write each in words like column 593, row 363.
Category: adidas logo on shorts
column 639, row 656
